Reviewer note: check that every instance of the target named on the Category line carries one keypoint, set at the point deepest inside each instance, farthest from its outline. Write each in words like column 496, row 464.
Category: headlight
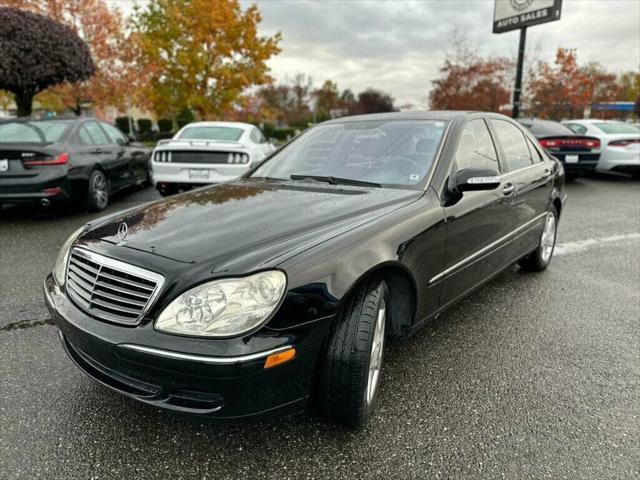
column 60, row 267
column 225, row 307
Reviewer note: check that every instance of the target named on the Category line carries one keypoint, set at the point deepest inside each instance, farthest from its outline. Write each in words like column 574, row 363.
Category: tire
column 350, row 374
column 570, row 177
column 98, row 191
column 540, row 258
column 167, row 190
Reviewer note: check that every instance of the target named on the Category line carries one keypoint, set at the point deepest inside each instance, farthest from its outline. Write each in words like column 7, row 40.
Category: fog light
column 280, row 358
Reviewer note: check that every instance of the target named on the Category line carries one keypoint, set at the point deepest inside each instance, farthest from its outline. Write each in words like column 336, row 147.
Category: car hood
column 246, row 218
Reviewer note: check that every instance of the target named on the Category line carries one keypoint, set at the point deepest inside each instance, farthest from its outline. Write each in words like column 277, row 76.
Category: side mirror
column 474, row 179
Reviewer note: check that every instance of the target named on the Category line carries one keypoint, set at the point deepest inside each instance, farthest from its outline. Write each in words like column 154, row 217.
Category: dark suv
column 80, row 159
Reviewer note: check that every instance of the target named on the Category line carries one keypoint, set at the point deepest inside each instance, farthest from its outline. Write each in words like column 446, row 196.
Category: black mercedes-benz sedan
column 279, row 290
column 80, row 160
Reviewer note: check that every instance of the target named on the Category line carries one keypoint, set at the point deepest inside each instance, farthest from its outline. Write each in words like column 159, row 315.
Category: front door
column 478, row 221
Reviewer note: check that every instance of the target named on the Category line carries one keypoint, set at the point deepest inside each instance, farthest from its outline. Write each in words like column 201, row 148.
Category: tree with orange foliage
column 201, row 54
column 565, row 89
column 469, row 82
column 103, row 30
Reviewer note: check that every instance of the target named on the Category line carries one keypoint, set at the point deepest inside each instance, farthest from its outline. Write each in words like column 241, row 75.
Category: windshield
column 545, row 128
column 32, row 132
column 211, row 133
column 616, row 127
column 392, row 153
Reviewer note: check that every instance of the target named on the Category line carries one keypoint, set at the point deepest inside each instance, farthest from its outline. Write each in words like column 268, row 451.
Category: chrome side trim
column 203, row 358
column 484, row 250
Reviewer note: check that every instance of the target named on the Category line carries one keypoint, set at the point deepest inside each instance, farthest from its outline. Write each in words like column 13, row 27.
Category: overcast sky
column 399, row 45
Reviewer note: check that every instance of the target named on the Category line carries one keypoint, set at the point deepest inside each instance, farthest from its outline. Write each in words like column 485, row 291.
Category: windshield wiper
column 336, row 180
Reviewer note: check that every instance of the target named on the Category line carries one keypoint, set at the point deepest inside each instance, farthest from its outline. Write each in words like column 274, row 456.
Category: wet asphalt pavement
column 533, row 376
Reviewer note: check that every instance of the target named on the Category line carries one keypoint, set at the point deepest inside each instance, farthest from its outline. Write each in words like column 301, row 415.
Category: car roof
column 242, row 125
column 411, row 115
column 591, row 120
column 52, row 119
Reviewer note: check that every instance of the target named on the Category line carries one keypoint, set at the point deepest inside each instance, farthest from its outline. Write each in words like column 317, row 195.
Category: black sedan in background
column 578, row 154
column 80, row 159
column 278, row 290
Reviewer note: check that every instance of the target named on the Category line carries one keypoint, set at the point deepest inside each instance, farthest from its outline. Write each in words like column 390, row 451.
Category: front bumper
column 225, row 387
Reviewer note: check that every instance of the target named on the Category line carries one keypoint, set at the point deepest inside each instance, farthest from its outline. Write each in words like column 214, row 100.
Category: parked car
column 278, row 290
column 79, row 159
column 207, row 152
column 620, row 143
column 578, row 153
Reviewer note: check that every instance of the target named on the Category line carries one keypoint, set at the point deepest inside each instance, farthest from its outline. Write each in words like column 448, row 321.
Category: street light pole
column 518, row 89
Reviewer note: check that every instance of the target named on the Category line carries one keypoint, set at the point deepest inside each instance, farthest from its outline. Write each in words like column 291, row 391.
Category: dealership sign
column 513, row 14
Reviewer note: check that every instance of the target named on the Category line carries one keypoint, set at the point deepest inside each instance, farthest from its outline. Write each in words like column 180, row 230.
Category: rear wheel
column 349, row 379
column 166, row 189
column 98, row 191
column 540, row 258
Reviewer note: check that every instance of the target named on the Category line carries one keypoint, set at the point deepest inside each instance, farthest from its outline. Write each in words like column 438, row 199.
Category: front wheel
column 540, row 258
column 98, row 191
column 349, row 379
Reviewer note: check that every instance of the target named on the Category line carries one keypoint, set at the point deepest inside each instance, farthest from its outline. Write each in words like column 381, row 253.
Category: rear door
column 114, row 158
column 137, row 158
column 91, row 148
column 527, row 185
column 476, row 221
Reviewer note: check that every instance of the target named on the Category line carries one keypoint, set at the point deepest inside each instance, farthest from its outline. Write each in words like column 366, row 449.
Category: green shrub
column 165, row 125
column 185, row 117
column 123, row 124
column 283, row 134
column 144, row 125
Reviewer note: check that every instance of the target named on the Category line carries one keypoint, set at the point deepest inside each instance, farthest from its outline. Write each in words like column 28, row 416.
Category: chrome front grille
column 110, row 289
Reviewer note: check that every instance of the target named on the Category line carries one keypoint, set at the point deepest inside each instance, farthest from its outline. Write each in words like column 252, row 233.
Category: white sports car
column 620, row 143
column 206, row 152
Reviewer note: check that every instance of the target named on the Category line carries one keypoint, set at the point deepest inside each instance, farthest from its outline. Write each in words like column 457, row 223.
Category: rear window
column 546, row 128
column 211, row 133
column 616, row 127
column 32, row 132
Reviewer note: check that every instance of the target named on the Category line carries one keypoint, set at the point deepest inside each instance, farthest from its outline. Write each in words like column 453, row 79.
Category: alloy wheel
column 375, row 359
column 99, row 187
column 548, row 239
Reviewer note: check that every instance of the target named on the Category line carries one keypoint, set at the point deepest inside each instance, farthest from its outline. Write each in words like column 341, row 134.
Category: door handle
column 97, row 150
column 508, row 189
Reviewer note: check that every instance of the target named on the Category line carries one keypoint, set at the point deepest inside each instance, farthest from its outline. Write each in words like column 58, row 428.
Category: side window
column 535, row 152
column 99, row 138
column 579, row 129
column 475, row 148
column 85, row 137
column 514, row 145
column 256, row 136
column 116, row 135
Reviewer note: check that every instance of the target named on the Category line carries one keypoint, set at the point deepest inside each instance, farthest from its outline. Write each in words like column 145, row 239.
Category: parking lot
column 532, row 376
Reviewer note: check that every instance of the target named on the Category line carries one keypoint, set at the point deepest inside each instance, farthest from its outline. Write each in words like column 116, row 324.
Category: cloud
column 398, row 46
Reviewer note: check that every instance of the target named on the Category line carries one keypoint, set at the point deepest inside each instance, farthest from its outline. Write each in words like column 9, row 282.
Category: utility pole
column 518, row 89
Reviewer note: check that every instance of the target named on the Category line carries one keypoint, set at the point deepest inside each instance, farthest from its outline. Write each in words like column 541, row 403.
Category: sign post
column 519, row 14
